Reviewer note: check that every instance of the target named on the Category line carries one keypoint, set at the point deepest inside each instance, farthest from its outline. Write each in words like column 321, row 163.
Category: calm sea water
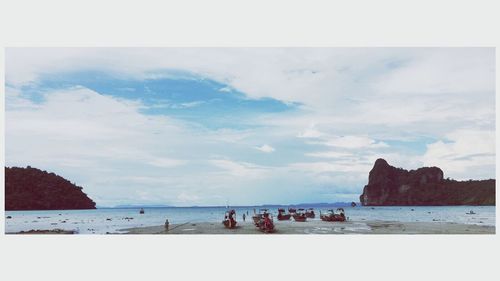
column 111, row 220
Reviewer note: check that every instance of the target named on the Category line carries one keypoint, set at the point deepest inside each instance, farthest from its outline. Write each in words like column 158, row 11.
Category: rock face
column 391, row 186
column 33, row 189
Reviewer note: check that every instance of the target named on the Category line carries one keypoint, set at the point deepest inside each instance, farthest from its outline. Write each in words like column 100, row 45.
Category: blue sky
column 202, row 126
column 178, row 94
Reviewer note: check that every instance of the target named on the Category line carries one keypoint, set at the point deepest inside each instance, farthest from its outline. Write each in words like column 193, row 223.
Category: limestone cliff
column 388, row 186
column 33, row 189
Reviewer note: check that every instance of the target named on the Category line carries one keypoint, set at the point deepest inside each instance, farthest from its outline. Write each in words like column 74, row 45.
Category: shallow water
column 101, row 221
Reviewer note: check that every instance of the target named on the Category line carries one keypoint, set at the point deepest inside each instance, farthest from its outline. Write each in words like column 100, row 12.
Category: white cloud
column 225, row 89
column 464, row 154
column 187, row 104
column 239, row 169
column 188, row 198
column 330, row 154
column 166, row 162
column 310, row 132
column 450, row 70
column 265, row 148
column 354, row 142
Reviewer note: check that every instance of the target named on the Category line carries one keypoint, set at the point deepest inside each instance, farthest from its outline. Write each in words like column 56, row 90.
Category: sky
column 245, row 126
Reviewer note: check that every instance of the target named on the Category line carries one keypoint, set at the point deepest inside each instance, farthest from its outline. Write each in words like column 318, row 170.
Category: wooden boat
column 258, row 217
column 310, row 213
column 332, row 216
column 266, row 225
column 229, row 221
column 300, row 215
column 282, row 216
column 264, row 221
column 292, row 210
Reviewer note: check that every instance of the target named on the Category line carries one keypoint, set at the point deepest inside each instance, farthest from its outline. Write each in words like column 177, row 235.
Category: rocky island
column 33, row 189
column 391, row 186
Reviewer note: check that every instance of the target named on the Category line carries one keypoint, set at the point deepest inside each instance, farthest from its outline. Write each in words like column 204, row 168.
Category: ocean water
column 112, row 220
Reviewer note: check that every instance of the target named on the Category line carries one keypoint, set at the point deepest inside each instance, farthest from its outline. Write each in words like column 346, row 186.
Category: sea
column 115, row 220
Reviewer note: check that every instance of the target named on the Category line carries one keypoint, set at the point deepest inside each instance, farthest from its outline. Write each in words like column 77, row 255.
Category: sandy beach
column 321, row 227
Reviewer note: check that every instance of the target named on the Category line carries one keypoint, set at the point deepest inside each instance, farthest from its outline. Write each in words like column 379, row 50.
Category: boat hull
column 229, row 224
column 299, row 218
column 310, row 215
column 333, row 218
column 284, row 217
column 266, row 227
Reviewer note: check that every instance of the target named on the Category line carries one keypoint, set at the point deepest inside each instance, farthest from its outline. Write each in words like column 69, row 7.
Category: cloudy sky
column 206, row 126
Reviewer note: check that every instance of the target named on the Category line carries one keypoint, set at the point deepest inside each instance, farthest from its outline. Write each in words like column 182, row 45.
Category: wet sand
column 321, row 227
column 45, row 231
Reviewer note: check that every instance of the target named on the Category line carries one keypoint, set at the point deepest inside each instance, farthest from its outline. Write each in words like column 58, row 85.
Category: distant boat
column 353, row 204
column 282, row 216
column 332, row 216
column 471, row 212
column 300, row 215
column 292, row 210
column 141, row 211
column 310, row 213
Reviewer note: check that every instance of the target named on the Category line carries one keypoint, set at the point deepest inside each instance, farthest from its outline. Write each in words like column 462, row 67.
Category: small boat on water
column 257, row 217
column 331, row 215
column 264, row 221
column 310, row 213
column 229, row 221
column 300, row 215
column 282, row 216
column 471, row 212
column 141, row 211
column 353, row 204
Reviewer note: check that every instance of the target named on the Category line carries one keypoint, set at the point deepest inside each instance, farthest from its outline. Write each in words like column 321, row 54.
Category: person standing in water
column 244, row 216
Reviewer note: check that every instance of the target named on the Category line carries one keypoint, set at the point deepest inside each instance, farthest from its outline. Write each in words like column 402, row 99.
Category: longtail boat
column 229, row 221
column 282, row 216
column 332, row 216
column 258, row 217
column 300, row 215
column 264, row 221
column 310, row 213
column 266, row 224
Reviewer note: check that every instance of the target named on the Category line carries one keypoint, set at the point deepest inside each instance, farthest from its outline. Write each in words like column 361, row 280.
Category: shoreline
column 43, row 231
column 321, row 227
column 315, row 227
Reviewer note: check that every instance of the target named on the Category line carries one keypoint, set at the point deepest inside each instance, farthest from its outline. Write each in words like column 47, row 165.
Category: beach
column 321, row 227
column 207, row 220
